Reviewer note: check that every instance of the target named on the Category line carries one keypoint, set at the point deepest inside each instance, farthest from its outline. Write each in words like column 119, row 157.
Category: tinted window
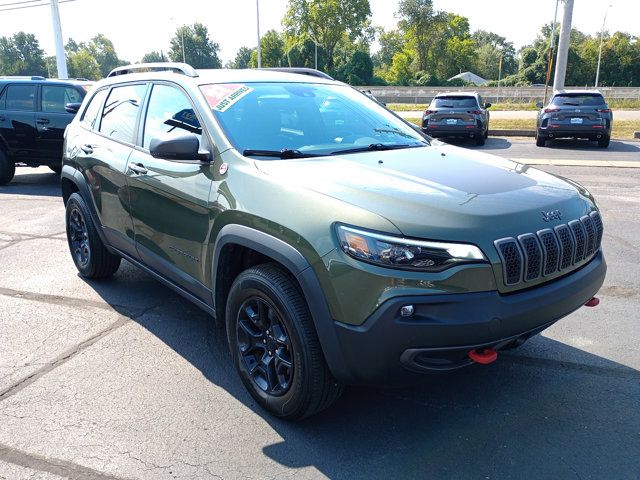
column 21, row 97
column 3, row 94
column 579, row 100
column 55, row 97
column 90, row 116
column 313, row 118
column 454, row 102
column 120, row 112
column 169, row 112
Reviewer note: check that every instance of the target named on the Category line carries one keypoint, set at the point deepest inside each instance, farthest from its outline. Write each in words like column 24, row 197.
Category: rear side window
column 90, row 116
column 55, row 97
column 579, row 100
column 121, row 111
column 454, row 102
column 21, row 97
column 169, row 112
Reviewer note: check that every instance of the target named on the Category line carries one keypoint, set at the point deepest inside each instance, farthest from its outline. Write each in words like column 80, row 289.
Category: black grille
column 581, row 239
column 567, row 246
column 531, row 256
column 511, row 260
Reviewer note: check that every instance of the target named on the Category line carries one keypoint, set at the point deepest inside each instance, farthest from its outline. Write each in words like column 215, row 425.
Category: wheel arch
column 262, row 248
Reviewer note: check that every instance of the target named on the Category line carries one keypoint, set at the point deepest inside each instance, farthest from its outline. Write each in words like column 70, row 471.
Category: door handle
column 42, row 121
column 86, row 148
column 138, row 168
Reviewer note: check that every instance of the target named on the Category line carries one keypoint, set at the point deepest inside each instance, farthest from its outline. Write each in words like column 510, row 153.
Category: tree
column 82, row 64
column 417, row 21
column 154, row 57
column 327, row 21
column 199, row 50
column 390, row 42
column 21, row 54
column 400, row 72
column 243, row 57
column 104, row 53
column 491, row 47
column 271, row 51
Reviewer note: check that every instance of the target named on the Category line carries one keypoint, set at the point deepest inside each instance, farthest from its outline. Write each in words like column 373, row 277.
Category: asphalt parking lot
column 121, row 379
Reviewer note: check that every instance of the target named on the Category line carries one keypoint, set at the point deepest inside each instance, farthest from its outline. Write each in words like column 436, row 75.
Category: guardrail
column 491, row 94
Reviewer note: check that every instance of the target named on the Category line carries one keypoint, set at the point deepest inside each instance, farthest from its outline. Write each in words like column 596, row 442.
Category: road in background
column 122, row 379
column 527, row 114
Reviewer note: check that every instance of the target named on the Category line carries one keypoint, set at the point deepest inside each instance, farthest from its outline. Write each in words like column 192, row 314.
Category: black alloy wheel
column 264, row 346
column 79, row 238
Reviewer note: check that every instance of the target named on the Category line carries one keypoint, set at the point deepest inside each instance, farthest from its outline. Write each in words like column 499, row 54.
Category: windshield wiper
column 285, row 153
column 377, row 147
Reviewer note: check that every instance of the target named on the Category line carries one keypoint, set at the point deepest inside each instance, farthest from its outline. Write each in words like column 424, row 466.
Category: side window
column 3, row 95
column 90, row 115
column 169, row 112
column 55, row 97
column 121, row 110
column 21, row 97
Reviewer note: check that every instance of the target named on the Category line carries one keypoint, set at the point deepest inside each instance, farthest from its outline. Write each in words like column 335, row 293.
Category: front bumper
column 445, row 327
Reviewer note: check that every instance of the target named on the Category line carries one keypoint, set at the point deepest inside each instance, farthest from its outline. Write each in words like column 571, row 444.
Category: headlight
column 404, row 253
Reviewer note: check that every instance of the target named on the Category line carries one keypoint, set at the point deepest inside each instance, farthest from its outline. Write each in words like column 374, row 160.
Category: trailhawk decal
column 222, row 96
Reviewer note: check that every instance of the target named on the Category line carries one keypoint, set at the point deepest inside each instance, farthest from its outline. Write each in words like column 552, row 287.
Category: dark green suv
column 330, row 238
column 34, row 112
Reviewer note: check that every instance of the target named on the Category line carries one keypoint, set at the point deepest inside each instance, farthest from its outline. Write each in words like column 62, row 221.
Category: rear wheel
column 274, row 345
column 541, row 141
column 91, row 257
column 7, row 168
column 604, row 141
column 480, row 140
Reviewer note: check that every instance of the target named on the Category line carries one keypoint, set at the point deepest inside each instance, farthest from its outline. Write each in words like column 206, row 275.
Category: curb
column 513, row 133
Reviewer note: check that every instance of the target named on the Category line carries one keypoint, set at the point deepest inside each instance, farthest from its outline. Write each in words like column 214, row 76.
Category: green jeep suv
column 334, row 242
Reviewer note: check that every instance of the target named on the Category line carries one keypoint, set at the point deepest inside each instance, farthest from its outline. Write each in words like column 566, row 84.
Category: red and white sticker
column 222, row 96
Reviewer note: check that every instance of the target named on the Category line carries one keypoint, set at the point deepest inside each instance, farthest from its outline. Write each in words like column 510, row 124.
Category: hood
column 440, row 192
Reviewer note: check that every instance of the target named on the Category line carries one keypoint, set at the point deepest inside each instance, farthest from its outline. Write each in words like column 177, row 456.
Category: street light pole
column 61, row 59
column 258, row 30
column 600, row 51
column 552, row 42
column 563, row 46
column 184, row 58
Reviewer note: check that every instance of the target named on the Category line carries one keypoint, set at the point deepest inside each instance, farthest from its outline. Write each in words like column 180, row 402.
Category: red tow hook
column 594, row 302
column 484, row 356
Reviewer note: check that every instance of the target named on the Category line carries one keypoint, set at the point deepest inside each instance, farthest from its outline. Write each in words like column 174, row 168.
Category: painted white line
column 579, row 163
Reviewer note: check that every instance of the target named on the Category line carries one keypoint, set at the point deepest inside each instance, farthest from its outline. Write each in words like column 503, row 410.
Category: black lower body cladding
column 444, row 328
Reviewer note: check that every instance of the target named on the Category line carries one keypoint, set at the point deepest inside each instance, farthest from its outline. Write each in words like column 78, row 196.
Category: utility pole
column 258, row 30
column 61, row 58
column 600, row 51
column 184, row 58
column 563, row 46
column 552, row 44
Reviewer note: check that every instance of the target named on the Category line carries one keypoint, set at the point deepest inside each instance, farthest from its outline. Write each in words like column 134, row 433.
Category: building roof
column 470, row 77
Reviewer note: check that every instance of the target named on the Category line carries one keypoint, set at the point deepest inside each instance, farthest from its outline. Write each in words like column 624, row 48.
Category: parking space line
column 54, row 466
column 579, row 163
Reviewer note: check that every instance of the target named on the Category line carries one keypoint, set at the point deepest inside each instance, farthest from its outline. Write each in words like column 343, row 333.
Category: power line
column 31, row 6
column 19, row 3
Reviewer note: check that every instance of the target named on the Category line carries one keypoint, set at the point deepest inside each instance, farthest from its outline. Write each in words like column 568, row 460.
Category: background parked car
column 458, row 114
column 577, row 114
column 34, row 112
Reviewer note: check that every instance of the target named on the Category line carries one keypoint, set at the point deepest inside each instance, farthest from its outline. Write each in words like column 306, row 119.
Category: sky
column 140, row 26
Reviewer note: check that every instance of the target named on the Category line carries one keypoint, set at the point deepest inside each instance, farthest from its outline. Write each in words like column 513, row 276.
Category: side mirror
column 72, row 107
column 539, row 104
column 178, row 147
column 487, row 105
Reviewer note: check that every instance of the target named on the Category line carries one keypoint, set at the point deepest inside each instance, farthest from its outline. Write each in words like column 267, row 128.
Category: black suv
column 576, row 114
column 458, row 114
column 34, row 112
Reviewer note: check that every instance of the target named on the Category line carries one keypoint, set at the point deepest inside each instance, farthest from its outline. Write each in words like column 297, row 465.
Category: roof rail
column 301, row 71
column 176, row 67
column 37, row 77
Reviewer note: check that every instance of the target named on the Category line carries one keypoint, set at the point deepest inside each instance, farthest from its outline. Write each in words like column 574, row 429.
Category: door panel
column 52, row 119
column 17, row 120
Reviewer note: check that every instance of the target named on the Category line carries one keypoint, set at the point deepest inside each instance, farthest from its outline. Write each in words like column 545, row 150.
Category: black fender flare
column 299, row 267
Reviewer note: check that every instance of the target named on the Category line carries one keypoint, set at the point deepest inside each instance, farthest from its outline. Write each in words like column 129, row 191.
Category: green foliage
column 243, row 58
column 199, row 50
column 102, row 53
column 154, row 57
column 82, row 64
column 327, row 22
column 271, row 51
column 21, row 54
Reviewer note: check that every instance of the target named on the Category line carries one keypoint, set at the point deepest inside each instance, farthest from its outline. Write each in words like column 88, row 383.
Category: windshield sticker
column 223, row 96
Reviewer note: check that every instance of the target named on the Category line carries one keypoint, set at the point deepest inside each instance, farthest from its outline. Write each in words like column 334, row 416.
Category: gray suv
column 575, row 114
column 458, row 114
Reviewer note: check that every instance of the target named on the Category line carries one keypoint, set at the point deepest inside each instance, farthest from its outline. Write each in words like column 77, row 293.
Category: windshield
column 579, row 100
column 305, row 118
column 454, row 102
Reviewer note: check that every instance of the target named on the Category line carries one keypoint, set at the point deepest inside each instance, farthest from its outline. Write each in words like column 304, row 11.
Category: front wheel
column 91, row 257
column 7, row 168
column 274, row 345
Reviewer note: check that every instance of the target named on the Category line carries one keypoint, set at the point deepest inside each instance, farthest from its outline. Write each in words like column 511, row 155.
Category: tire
column 486, row 133
column 56, row 169
column 480, row 140
column 541, row 141
column 270, row 331
column 7, row 168
column 604, row 142
column 89, row 254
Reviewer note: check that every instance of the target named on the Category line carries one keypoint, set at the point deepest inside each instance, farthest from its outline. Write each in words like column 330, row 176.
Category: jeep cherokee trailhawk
column 335, row 242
